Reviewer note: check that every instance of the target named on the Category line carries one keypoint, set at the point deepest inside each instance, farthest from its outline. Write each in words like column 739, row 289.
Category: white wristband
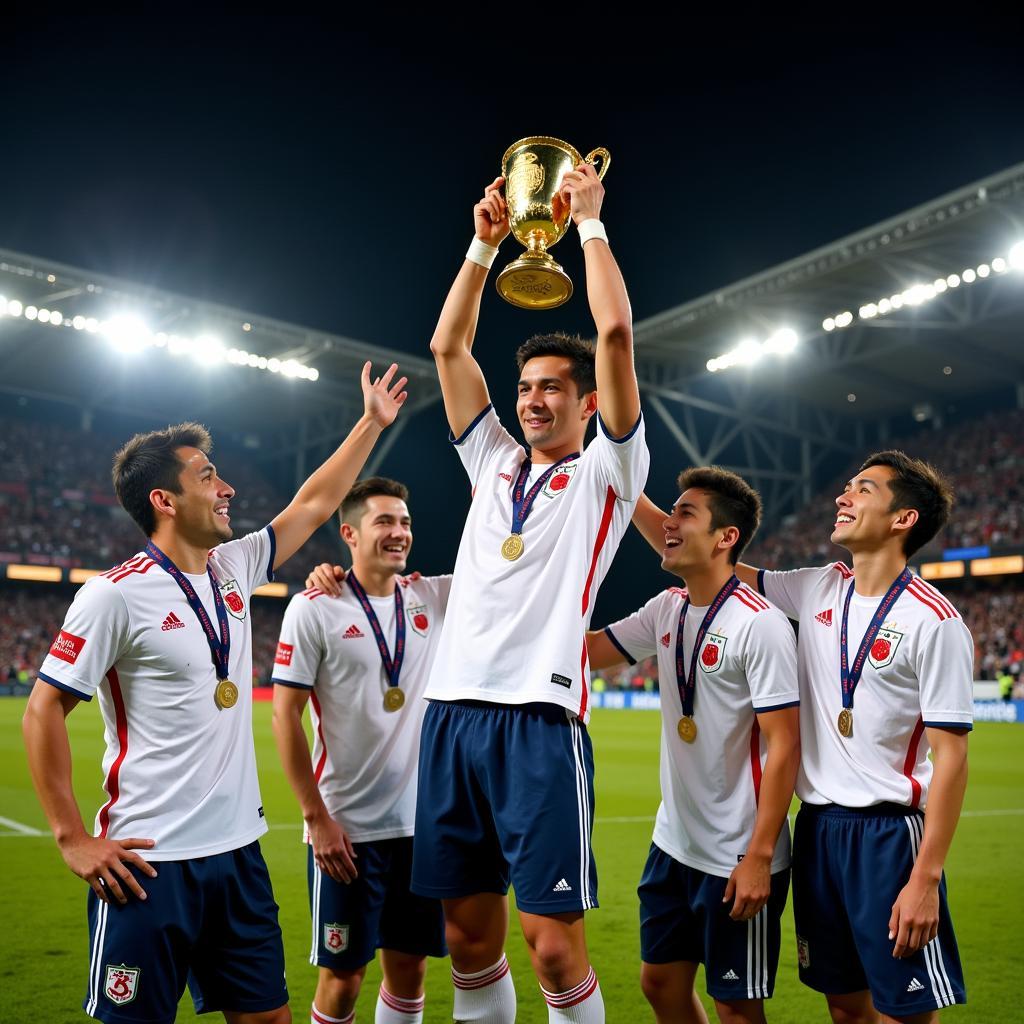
column 592, row 228
column 481, row 253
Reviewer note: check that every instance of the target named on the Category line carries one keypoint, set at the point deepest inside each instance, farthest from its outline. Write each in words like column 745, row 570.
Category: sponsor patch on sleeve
column 284, row 654
column 67, row 646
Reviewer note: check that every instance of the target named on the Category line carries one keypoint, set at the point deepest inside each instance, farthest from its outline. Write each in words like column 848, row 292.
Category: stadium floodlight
column 984, row 270
column 127, row 333
column 1016, row 256
column 208, row 350
column 31, row 312
column 750, row 351
column 968, row 276
column 782, row 342
column 999, row 265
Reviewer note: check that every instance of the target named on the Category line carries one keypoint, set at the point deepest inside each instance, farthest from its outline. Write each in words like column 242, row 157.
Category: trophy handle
column 605, row 157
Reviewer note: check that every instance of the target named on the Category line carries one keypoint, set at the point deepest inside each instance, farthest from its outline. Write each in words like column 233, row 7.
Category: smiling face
column 691, row 544
column 381, row 540
column 551, row 412
column 201, row 509
column 865, row 517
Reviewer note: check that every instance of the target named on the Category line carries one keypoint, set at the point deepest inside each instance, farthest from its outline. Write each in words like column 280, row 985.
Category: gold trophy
column 539, row 216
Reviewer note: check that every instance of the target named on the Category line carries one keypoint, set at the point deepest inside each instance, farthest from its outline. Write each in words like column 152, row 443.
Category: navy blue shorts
column 505, row 793
column 682, row 917
column 376, row 911
column 849, row 865
column 210, row 922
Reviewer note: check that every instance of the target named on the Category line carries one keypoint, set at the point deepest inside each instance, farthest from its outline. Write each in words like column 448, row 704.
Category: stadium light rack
column 784, row 341
column 128, row 333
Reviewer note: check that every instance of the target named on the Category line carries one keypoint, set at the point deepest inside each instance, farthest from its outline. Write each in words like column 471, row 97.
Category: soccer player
column 166, row 639
column 363, row 659
column 506, row 765
column 717, row 874
column 886, row 669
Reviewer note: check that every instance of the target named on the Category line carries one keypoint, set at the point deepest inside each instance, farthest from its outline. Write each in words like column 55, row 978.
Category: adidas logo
column 665, row 639
column 562, row 886
column 915, row 986
column 172, row 622
column 352, row 633
column 825, row 617
column 730, row 975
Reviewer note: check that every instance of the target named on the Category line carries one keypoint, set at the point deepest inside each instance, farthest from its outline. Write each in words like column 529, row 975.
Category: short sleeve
column 93, row 637
column 249, row 559
column 437, row 588
column 482, row 441
column 945, row 670
column 787, row 590
column 770, row 662
column 636, row 636
column 623, row 461
column 300, row 648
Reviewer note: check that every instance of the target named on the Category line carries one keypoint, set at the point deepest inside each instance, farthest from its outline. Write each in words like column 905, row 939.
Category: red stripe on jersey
column 745, row 599
column 142, row 568
column 755, row 759
column 602, row 536
column 927, row 588
column 313, row 593
column 924, row 599
column 908, row 764
column 111, row 784
column 755, row 597
column 319, row 770
column 124, row 565
column 843, row 569
column 583, row 677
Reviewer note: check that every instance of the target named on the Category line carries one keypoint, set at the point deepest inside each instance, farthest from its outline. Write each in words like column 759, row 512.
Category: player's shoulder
column 930, row 604
column 748, row 602
column 127, row 573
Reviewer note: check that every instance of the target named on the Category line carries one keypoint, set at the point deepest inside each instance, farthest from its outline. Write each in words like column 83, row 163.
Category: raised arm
column 618, row 397
column 319, row 497
column 650, row 521
column 462, row 381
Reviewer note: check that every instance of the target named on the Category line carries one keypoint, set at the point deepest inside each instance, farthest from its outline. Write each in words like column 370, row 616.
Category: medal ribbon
column 393, row 668
column 220, row 646
column 687, row 681
column 850, row 674
column 523, row 504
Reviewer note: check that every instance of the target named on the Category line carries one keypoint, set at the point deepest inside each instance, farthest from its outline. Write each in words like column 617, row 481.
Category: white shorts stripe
column 940, row 969
column 583, row 813
column 314, row 950
column 96, row 967
column 750, row 960
column 763, row 915
column 942, row 991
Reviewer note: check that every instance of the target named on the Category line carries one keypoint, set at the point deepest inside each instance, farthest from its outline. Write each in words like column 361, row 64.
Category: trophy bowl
column 538, row 215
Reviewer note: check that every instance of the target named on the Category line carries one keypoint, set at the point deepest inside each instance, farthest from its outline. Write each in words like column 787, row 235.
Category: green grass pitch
column 43, row 932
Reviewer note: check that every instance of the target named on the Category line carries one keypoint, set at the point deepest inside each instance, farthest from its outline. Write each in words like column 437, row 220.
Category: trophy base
column 534, row 282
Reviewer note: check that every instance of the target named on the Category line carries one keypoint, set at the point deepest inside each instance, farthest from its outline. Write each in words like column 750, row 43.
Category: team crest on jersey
column 712, row 653
column 336, row 937
column 233, row 599
column 418, row 619
column 121, row 984
column 559, row 480
column 883, row 650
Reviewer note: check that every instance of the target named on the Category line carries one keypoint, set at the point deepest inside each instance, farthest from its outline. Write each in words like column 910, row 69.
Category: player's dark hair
column 917, row 485
column 580, row 354
column 733, row 502
column 150, row 462
column 354, row 505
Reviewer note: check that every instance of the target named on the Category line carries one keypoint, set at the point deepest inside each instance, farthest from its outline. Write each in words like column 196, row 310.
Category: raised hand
column 103, row 863
column 381, row 398
column 490, row 215
column 583, row 191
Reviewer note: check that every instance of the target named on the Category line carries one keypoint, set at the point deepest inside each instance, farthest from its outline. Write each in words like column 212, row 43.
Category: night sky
column 291, row 168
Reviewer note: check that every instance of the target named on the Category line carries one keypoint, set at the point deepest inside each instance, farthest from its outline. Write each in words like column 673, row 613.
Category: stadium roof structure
column 900, row 319
column 68, row 335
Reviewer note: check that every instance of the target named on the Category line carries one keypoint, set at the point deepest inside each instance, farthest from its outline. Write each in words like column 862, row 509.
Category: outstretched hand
column 381, row 398
column 490, row 215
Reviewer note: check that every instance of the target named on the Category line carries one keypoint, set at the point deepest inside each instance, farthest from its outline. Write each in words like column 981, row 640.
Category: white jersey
column 364, row 757
column 919, row 673
column 516, row 631
column 746, row 666
column 177, row 769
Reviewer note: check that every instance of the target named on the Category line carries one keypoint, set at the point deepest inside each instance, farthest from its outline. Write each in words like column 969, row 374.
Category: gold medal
column 687, row 729
column 226, row 694
column 845, row 723
column 394, row 698
column 512, row 548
